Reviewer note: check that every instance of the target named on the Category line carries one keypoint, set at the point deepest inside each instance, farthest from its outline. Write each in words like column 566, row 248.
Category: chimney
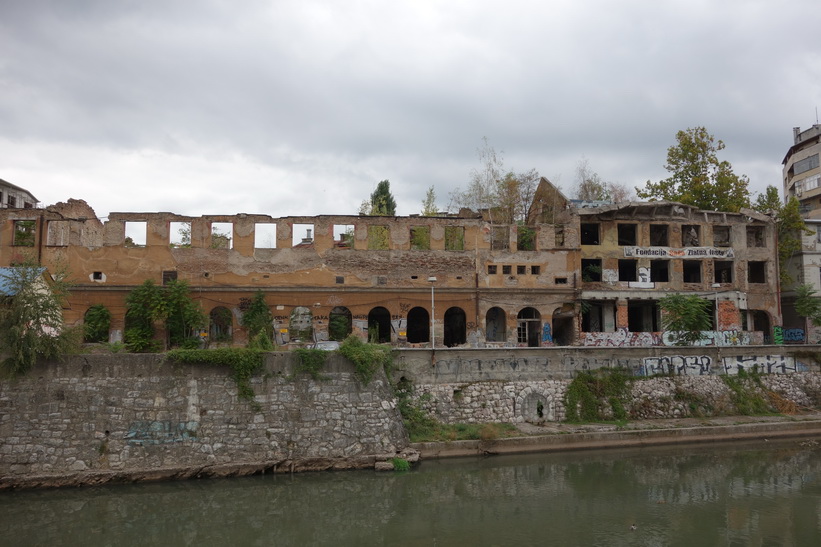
column 795, row 132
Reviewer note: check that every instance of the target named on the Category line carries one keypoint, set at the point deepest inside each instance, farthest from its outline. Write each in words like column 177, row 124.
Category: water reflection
column 728, row 495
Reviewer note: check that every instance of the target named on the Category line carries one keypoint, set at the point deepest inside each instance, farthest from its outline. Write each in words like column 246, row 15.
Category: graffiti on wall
column 455, row 365
column 782, row 335
column 624, row 338
column 769, row 364
column 160, row 432
column 547, row 338
column 681, row 365
column 713, row 338
column 644, row 280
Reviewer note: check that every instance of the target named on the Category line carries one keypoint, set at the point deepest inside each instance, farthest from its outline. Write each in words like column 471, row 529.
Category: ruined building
column 567, row 276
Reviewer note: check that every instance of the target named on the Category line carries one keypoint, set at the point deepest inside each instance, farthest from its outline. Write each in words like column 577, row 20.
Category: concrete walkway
column 563, row 437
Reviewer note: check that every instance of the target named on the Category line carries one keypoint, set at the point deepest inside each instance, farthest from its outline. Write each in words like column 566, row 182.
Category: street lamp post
column 432, row 280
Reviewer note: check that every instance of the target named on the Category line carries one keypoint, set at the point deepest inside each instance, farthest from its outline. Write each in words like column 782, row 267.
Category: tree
column 183, row 316
column 790, row 227
column 589, row 186
column 505, row 195
column 31, row 316
column 381, row 202
column 172, row 305
column 698, row 177
column 257, row 318
column 807, row 304
column 96, row 324
column 686, row 317
column 619, row 193
column 429, row 204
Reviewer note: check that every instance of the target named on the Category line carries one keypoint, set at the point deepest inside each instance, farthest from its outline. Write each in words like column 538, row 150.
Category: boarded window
column 454, row 238
column 24, row 233
column 378, row 238
column 265, row 235
column 58, row 233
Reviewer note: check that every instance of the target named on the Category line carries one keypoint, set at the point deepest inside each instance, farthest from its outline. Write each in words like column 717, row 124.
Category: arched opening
column 96, row 324
column 418, row 326
column 495, row 325
column 379, row 325
column 455, row 327
column 537, row 409
column 301, row 325
column 761, row 322
column 221, row 322
column 529, row 327
column 340, row 323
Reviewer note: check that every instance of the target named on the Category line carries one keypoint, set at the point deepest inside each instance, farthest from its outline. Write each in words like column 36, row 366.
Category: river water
column 768, row 494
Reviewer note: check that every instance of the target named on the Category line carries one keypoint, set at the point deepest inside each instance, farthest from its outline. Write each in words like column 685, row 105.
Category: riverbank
column 552, row 437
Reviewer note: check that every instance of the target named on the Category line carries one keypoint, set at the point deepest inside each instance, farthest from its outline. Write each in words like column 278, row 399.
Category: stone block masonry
column 135, row 415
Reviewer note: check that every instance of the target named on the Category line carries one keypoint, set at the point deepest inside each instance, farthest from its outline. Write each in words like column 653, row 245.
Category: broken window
column 12, row 202
column 592, row 316
column 525, row 238
column 24, row 233
column 558, row 231
column 302, row 235
column 721, row 236
column 135, row 233
column 58, row 233
column 757, row 272
column 500, row 238
column 265, row 235
column 179, row 234
column 491, row 269
column 535, row 270
column 692, row 271
column 642, row 316
column 628, row 269
column 691, row 235
column 659, row 235
column 591, row 269
column 723, row 271
column 560, row 281
column 590, row 234
column 222, row 235
column 378, row 238
column 755, row 236
column 343, row 236
column 507, row 269
column 420, row 238
column 521, row 269
column 660, row 271
column 627, row 234
column 454, row 238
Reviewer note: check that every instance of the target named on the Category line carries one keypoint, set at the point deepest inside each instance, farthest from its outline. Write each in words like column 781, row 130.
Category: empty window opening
column 265, row 235
column 221, row 322
column 756, row 272
column 723, row 271
column 525, row 238
column 660, row 271
column 302, row 235
column 721, row 236
column 301, row 325
column 135, row 233
column 168, row 276
column 24, row 233
column 378, row 238
column 455, row 327
column 529, row 327
column 340, row 323
column 222, row 235
column 500, row 238
column 592, row 316
column 691, row 235
column 179, row 234
column 691, row 271
column 491, row 269
column 535, row 270
column 558, row 232
column 642, row 316
column 340, row 280
column 659, row 235
column 507, row 270
column 590, row 234
column 755, row 236
column 628, row 270
column 521, row 270
column 627, row 234
column 343, row 236
column 97, row 276
column 420, row 238
column 12, row 201
column 454, row 238
column 495, row 325
column 418, row 326
column 560, row 281
column 591, row 269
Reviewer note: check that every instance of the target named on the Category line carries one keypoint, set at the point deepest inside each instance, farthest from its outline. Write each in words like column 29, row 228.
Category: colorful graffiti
column 160, row 432
column 547, row 338
column 788, row 335
column 681, row 365
column 769, row 364
column 624, row 338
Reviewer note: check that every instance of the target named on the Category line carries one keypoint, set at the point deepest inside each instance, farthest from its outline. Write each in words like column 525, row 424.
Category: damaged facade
column 568, row 276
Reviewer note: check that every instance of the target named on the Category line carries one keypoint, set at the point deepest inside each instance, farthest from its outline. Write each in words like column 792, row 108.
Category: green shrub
column 590, row 391
column 96, row 324
column 366, row 358
column 310, row 361
column 400, row 464
column 244, row 363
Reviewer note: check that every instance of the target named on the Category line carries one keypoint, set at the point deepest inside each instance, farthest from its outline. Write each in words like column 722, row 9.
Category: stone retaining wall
column 135, row 413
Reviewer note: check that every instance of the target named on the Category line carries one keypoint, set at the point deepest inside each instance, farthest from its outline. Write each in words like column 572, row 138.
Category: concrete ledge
column 619, row 439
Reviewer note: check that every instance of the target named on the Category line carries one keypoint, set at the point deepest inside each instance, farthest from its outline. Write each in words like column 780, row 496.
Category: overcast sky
column 302, row 107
